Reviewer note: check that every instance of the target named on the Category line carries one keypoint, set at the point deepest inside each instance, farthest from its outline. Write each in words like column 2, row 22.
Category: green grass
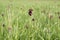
column 19, row 25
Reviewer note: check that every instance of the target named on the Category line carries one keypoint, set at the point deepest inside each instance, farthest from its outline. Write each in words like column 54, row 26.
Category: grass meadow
column 17, row 24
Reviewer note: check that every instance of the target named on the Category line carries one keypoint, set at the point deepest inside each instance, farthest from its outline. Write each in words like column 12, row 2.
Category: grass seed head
column 50, row 16
column 47, row 30
column 26, row 26
column 9, row 29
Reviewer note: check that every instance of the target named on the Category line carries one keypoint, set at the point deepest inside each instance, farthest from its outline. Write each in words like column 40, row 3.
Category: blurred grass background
column 16, row 24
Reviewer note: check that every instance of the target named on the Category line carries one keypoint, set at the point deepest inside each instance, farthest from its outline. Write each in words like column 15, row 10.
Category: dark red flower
column 30, row 12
